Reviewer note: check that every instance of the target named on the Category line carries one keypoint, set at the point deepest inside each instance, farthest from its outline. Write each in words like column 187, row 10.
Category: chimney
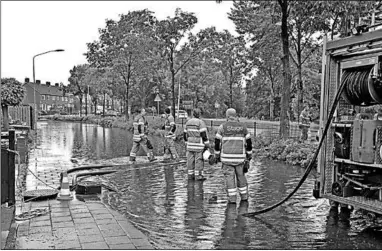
column 38, row 81
column 48, row 83
column 56, row 84
column 26, row 80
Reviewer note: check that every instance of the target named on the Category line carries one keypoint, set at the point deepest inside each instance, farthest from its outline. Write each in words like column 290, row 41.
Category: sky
column 32, row 27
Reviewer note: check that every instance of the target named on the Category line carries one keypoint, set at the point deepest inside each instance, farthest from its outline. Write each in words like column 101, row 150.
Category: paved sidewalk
column 7, row 224
column 77, row 225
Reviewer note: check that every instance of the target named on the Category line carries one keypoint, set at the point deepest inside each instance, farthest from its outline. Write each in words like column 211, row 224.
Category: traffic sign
column 157, row 98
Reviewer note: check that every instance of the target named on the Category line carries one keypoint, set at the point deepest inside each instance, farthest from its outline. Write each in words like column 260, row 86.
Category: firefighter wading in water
column 233, row 147
column 140, row 126
column 169, row 138
column 195, row 136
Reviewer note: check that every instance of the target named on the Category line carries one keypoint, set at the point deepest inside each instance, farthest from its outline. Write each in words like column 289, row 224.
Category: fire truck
column 350, row 159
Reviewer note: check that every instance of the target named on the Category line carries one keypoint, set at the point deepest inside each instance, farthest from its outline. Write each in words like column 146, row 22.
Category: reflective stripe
column 190, row 171
column 133, row 154
column 231, row 192
column 249, row 152
column 206, row 142
column 248, row 136
column 226, row 160
column 141, row 123
column 203, row 130
column 185, row 130
column 243, row 189
column 217, row 152
column 232, row 138
column 192, row 130
column 218, row 136
column 233, row 155
column 172, row 123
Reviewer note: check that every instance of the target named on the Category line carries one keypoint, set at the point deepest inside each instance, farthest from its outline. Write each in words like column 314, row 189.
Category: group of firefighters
column 232, row 147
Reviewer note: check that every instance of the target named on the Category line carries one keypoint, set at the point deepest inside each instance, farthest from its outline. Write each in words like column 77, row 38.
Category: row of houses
column 48, row 97
column 53, row 98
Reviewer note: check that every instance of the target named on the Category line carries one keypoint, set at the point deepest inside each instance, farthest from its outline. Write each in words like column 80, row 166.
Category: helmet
column 206, row 154
column 196, row 113
column 230, row 113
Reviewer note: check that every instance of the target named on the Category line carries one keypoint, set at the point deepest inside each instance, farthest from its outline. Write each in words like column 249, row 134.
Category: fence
column 24, row 114
column 8, row 170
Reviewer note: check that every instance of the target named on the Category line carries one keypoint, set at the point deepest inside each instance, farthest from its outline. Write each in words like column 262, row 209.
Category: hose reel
column 362, row 88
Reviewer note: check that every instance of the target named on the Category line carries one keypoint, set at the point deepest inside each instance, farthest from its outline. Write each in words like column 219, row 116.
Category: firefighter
column 140, row 139
column 196, row 138
column 305, row 118
column 233, row 147
column 169, row 138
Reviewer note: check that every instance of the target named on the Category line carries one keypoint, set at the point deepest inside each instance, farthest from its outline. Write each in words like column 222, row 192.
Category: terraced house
column 50, row 98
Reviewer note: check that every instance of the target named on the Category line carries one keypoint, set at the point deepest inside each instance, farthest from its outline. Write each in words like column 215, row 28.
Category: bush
column 290, row 151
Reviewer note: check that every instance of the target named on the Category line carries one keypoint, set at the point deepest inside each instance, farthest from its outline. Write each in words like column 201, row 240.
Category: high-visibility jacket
column 169, row 127
column 194, row 129
column 139, row 127
column 232, row 136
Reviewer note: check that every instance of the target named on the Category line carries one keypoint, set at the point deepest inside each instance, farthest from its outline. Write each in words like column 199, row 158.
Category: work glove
column 246, row 166
column 248, row 156
column 217, row 158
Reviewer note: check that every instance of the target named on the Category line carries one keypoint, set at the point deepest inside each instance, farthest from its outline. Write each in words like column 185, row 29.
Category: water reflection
column 176, row 213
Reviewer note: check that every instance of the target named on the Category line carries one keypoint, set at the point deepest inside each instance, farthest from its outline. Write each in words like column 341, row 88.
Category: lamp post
column 34, row 82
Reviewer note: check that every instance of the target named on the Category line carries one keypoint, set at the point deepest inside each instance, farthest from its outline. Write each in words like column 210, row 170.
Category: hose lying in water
column 311, row 164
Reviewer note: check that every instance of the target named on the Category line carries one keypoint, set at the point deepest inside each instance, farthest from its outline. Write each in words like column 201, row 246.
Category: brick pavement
column 77, row 225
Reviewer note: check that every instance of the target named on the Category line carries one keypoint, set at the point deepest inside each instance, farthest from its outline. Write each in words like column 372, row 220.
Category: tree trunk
column 81, row 96
column 103, row 105
column 300, row 86
column 95, row 105
column 5, row 117
column 127, row 102
column 86, row 105
column 172, row 83
column 284, row 122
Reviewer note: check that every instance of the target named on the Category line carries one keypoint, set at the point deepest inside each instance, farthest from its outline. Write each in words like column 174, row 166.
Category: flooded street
column 176, row 213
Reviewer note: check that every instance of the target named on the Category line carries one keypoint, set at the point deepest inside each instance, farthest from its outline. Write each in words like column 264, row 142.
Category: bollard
column 64, row 191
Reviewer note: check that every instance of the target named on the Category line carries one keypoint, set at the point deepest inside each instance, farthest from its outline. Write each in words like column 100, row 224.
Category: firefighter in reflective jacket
column 233, row 147
column 169, row 138
column 140, row 137
column 195, row 136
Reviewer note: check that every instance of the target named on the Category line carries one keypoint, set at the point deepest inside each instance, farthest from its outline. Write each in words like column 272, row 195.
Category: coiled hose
column 311, row 164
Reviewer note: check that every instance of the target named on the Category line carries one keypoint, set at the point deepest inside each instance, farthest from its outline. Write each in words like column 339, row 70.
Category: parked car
column 181, row 114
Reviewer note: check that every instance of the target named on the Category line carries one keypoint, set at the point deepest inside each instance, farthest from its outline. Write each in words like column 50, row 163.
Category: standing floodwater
column 176, row 213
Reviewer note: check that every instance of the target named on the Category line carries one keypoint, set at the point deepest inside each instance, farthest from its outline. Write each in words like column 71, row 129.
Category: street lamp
column 34, row 80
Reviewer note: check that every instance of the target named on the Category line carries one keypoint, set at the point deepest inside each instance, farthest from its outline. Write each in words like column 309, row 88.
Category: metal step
column 358, row 202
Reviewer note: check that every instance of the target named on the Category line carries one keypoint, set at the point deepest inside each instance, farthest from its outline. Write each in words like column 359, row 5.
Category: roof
column 46, row 89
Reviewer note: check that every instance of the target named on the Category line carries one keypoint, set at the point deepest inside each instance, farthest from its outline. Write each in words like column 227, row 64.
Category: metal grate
column 40, row 194
column 329, row 139
column 378, row 157
column 359, row 201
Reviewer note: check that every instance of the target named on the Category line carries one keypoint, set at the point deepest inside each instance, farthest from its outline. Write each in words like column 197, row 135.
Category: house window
column 47, row 97
column 53, row 98
column 42, row 97
column 63, row 98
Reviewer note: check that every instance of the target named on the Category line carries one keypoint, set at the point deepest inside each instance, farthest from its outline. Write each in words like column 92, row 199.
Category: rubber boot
column 190, row 175
column 132, row 160
column 151, row 157
column 200, row 176
column 244, row 196
column 232, row 199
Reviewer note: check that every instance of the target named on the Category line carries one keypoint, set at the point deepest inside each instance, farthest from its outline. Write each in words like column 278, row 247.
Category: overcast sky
column 31, row 27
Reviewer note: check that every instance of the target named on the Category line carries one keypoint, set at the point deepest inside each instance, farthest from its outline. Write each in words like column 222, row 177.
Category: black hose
column 311, row 164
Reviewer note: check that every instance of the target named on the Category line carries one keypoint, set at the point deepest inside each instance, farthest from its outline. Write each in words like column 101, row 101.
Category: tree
column 124, row 46
column 12, row 94
column 229, row 55
column 77, row 84
column 170, row 33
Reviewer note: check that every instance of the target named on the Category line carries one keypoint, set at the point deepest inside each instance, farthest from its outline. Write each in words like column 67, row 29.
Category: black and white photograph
column 191, row 125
